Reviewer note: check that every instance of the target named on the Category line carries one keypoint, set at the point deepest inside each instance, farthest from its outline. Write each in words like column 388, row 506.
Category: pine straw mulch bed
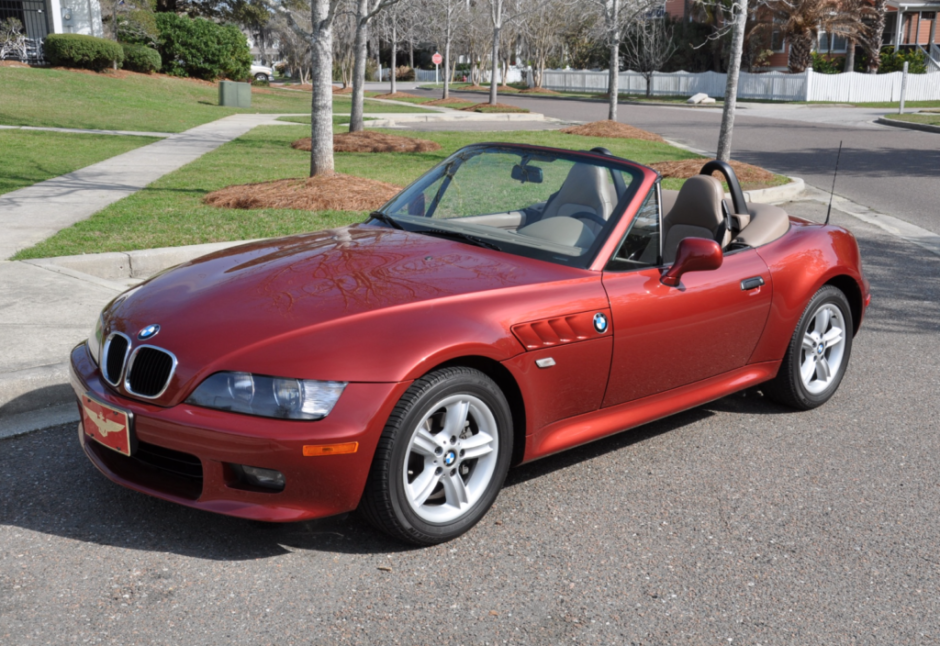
column 367, row 141
column 340, row 90
column 686, row 168
column 612, row 129
column 336, row 192
column 497, row 108
column 396, row 95
column 538, row 90
column 123, row 74
column 448, row 101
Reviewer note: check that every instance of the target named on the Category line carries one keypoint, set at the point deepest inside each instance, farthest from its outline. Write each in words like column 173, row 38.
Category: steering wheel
column 588, row 215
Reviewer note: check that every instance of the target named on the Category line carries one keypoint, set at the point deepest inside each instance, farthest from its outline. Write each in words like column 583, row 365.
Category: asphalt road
column 740, row 522
column 892, row 170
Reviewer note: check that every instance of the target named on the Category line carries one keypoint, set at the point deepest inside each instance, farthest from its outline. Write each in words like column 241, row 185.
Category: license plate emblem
column 106, row 425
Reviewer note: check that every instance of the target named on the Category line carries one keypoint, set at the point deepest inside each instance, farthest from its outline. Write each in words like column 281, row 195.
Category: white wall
column 84, row 17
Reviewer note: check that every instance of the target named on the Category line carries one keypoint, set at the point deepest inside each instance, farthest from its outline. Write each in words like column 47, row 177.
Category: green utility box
column 235, row 95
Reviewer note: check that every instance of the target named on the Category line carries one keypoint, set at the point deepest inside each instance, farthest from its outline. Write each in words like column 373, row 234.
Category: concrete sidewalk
column 32, row 214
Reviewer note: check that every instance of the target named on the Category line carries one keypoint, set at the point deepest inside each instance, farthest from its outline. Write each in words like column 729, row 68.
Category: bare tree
column 739, row 21
column 617, row 14
column 445, row 18
column 648, row 46
column 543, row 28
column 319, row 33
column 365, row 12
column 501, row 16
column 294, row 48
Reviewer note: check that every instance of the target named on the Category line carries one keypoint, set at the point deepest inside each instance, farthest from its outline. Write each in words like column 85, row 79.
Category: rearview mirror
column 532, row 174
column 694, row 254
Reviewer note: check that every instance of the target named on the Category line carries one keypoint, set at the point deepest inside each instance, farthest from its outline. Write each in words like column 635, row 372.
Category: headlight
column 94, row 340
column 242, row 392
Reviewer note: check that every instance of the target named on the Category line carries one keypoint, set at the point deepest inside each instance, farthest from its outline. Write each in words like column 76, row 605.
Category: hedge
column 202, row 49
column 140, row 58
column 88, row 52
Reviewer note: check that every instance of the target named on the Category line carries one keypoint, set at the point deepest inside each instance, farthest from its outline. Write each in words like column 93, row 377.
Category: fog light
column 258, row 477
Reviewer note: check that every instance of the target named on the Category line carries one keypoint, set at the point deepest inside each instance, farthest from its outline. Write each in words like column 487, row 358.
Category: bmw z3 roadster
column 513, row 302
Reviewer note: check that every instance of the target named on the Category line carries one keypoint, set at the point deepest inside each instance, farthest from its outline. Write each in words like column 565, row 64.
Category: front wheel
column 261, row 76
column 442, row 458
column 818, row 353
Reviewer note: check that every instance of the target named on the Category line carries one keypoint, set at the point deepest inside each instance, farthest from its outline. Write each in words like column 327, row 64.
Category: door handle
column 751, row 283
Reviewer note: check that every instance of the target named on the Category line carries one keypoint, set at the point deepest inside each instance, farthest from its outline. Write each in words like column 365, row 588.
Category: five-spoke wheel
column 442, row 457
column 818, row 353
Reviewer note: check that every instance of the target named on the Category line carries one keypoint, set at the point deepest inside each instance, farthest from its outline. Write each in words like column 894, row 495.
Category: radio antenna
column 834, row 175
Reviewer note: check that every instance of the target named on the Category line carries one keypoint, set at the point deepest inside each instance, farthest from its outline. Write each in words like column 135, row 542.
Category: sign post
column 437, row 59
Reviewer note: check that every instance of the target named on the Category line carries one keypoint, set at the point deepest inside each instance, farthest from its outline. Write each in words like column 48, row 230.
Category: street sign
column 437, row 59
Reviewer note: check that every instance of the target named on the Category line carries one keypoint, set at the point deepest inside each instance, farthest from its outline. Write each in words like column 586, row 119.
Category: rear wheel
column 442, row 458
column 818, row 354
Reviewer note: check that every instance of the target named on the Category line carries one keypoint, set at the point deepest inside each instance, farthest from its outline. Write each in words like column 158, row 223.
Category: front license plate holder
column 107, row 425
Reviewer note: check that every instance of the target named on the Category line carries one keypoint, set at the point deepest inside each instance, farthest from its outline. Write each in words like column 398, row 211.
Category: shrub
column 202, row 49
column 404, row 73
column 88, row 52
column 825, row 65
column 139, row 58
column 893, row 61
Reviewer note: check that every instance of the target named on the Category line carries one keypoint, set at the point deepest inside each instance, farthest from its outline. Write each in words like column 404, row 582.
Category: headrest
column 699, row 203
column 586, row 185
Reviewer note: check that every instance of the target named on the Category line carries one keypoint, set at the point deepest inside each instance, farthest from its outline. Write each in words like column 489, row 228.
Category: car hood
column 226, row 305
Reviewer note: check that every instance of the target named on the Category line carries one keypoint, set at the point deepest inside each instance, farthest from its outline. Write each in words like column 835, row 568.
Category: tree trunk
column 613, row 81
column 873, row 46
column 801, row 52
column 731, row 89
column 447, row 39
column 394, row 59
column 494, row 65
column 321, row 78
column 359, row 67
column 850, row 56
column 411, row 54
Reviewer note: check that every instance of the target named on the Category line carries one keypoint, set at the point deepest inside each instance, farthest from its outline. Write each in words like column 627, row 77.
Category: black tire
column 261, row 77
column 788, row 386
column 385, row 503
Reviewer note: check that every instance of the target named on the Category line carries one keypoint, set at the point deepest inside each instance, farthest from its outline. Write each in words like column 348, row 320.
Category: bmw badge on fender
column 515, row 301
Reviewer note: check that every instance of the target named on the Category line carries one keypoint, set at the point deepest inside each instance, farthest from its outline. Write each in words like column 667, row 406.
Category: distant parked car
column 262, row 73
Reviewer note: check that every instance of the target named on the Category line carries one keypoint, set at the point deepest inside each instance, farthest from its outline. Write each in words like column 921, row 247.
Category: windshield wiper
column 461, row 237
column 386, row 219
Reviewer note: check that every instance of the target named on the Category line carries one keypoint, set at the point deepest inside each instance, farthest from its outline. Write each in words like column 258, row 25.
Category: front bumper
column 184, row 451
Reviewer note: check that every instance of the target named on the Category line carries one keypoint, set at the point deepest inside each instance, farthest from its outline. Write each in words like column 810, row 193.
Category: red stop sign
column 437, row 59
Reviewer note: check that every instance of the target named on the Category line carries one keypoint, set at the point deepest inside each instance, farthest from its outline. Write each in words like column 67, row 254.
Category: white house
column 43, row 17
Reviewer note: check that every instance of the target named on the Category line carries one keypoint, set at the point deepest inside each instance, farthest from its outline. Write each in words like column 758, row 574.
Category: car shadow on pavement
column 51, row 487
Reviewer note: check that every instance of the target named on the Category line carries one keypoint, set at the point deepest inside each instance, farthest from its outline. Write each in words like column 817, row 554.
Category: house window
column 839, row 43
column 777, row 41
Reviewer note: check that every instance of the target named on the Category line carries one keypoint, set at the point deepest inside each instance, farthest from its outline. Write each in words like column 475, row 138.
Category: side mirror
column 532, row 174
column 694, row 254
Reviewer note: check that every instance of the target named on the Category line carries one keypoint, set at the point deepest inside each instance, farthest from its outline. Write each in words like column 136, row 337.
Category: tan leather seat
column 585, row 189
column 697, row 213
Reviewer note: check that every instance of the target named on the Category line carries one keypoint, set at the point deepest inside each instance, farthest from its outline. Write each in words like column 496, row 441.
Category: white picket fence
column 851, row 87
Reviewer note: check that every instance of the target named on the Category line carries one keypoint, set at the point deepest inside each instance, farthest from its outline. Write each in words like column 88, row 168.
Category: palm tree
column 802, row 20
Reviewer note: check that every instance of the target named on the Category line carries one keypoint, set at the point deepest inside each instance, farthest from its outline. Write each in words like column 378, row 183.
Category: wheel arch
column 507, row 383
column 853, row 293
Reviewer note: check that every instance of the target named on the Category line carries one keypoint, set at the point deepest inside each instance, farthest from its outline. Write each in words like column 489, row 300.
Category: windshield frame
column 593, row 258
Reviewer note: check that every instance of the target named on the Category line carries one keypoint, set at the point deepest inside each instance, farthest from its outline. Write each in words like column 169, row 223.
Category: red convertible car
column 513, row 302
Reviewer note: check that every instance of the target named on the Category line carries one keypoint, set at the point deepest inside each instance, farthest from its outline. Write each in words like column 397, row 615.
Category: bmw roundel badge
column 600, row 322
column 450, row 458
column 151, row 331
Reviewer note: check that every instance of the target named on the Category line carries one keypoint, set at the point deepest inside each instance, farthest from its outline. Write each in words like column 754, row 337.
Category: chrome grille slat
column 114, row 356
column 149, row 371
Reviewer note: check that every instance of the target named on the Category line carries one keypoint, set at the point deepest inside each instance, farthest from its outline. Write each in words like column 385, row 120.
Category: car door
column 667, row 337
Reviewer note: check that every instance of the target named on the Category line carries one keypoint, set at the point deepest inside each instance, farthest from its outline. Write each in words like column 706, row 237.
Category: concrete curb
column 562, row 97
column 923, row 127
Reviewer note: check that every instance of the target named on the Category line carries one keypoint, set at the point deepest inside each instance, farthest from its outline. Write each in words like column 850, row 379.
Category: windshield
column 543, row 204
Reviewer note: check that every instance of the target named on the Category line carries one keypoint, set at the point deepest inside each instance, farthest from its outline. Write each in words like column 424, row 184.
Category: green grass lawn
column 169, row 212
column 58, row 98
column 27, row 159
column 927, row 118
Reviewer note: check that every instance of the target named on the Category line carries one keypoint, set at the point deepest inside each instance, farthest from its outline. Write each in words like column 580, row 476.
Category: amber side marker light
column 331, row 449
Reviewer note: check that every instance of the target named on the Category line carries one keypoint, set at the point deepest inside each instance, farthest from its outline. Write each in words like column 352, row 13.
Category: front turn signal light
column 330, row 449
